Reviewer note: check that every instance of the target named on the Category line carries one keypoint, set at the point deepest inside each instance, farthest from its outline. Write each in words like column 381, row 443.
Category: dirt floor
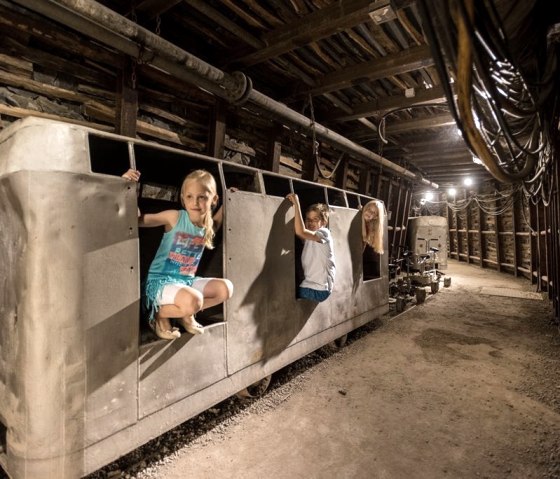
column 466, row 385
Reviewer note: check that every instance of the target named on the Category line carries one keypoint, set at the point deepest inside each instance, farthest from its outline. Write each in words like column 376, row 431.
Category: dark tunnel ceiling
column 354, row 69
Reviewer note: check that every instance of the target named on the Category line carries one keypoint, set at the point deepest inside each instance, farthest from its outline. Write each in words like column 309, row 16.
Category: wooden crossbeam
column 405, row 61
column 431, row 122
column 382, row 105
column 311, row 28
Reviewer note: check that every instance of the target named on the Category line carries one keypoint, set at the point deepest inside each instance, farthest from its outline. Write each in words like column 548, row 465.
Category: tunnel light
column 451, row 191
column 468, row 181
column 429, row 196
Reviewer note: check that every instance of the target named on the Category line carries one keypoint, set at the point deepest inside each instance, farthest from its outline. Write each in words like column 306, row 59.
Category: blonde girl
column 172, row 288
column 317, row 258
column 373, row 221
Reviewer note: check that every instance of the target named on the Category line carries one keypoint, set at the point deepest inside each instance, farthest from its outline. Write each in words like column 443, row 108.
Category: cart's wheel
column 420, row 295
column 341, row 342
column 435, row 287
column 400, row 304
column 256, row 389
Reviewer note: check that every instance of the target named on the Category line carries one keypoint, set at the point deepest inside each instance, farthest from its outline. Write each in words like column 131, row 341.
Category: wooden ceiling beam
column 382, row 105
column 443, row 162
column 444, row 168
column 455, row 179
column 404, row 61
column 441, row 153
column 203, row 7
column 310, row 28
column 427, row 143
column 419, row 124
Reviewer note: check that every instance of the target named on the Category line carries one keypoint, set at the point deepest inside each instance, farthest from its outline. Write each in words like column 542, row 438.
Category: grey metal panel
column 111, row 311
column 13, row 241
column 173, row 370
column 57, row 238
column 263, row 316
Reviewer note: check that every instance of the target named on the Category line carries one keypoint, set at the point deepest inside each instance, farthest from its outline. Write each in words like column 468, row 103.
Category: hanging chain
column 133, row 16
column 158, row 25
column 315, row 145
column 133, row 77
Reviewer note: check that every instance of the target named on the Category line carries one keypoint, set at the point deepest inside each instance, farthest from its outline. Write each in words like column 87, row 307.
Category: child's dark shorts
column 313, row 294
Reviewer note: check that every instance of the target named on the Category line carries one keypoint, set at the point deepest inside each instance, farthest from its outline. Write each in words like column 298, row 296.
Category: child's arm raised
column 299, row 226
column 167, row 218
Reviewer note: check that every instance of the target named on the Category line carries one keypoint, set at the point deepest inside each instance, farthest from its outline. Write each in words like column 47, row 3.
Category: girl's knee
column 219, row 289
column 223, row 289
column 227, row 289
column 189, row 301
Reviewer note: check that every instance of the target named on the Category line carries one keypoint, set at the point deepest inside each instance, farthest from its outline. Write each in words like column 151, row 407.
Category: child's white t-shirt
column 318, row 262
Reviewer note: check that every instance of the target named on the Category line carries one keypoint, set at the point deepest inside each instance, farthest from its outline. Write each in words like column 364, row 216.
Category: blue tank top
column 180, row 250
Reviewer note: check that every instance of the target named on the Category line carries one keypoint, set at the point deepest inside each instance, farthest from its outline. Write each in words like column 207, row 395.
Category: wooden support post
column 467, row 229
column 404, row 223
column 459, row 238
column 514, row 227
column 308, row 168
column 217, row 130
column 274, row 149
column 450, row 227
column 126, row 100
column 534, row 240
column 481, row 245
column 539, row 255
column 545, row 236
column 389, row 193
column 397, row 220
column 378, row 186
column 342, row 175
column 390, row 212
column 364, row 185
column 497, row 235
column 555, row 229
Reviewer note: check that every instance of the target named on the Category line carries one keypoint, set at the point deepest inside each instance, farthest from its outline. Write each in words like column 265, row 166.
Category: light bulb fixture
column 468, row 181
column 451, row 191
column 382, row 11
column 429, row 196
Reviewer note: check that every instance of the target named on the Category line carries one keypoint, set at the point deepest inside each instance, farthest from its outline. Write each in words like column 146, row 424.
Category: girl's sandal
column 168, row 334
column 194, row 328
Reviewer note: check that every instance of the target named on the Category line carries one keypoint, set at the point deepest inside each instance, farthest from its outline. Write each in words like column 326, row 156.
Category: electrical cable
column 502, row 116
